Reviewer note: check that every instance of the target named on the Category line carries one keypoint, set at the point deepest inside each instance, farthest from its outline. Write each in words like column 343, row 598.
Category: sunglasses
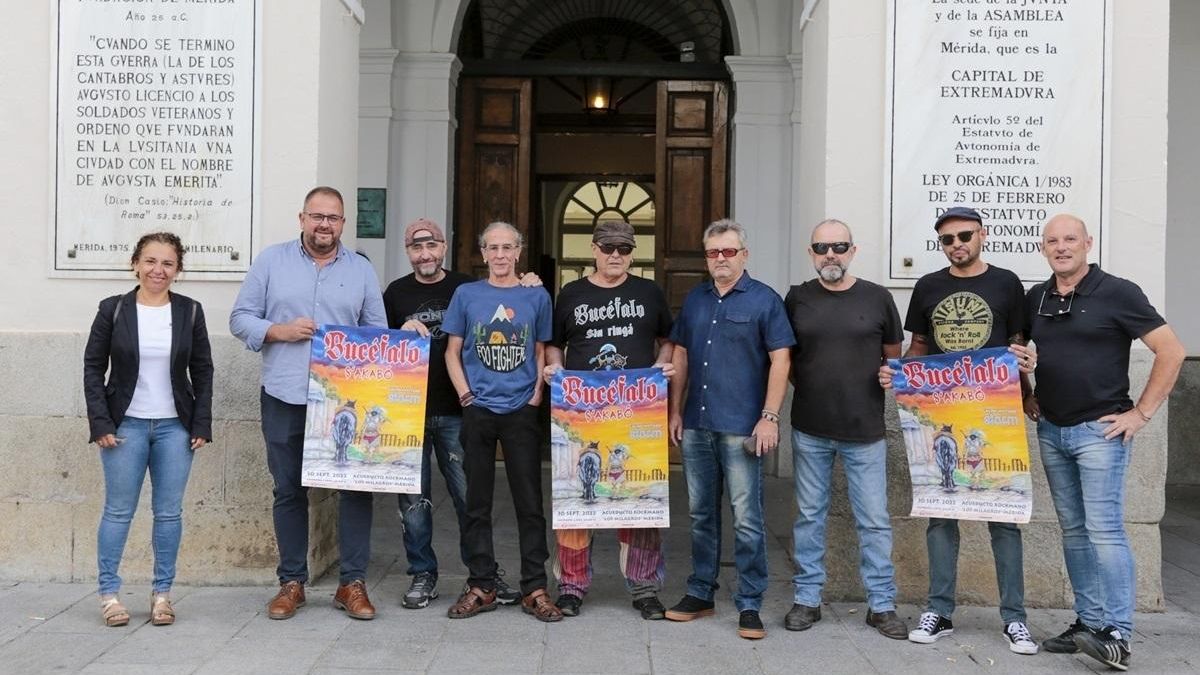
column 839, row 247
column 609, row 249
column 964, row 237
column 1055, row 313
column 727, row 252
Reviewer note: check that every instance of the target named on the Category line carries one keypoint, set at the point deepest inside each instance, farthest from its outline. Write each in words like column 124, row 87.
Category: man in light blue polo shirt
column 291, row 288
column 732, row 357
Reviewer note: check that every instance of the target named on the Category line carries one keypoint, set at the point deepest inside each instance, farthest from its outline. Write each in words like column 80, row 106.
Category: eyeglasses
column 964, row 237
column 319, row 218
column 499, row 248
column 1055, row 313
column 609, row 249
column 839, row 247
column 727, row 252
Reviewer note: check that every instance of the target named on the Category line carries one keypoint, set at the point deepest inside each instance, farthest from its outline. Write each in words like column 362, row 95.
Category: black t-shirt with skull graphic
column 610, row 328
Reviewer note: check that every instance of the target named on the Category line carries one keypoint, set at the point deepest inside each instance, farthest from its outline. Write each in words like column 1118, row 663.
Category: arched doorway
column 554, row 96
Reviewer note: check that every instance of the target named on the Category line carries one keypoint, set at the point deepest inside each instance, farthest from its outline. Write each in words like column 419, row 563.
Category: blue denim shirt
column 285, row 283
column 728, row 341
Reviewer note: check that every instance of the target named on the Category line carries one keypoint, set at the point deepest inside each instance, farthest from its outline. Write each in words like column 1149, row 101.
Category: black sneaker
column 1019, row 639
column 690, row 607
column 1064, row 642
column 569, row 604
column 750, row 626
column 931, row 628
column 801, row 617
column 422, row 590
column 505, row 595
column 1106, row 646
column 651, row 608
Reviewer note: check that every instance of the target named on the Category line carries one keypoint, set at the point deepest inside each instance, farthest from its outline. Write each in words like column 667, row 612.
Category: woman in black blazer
column 153, row 412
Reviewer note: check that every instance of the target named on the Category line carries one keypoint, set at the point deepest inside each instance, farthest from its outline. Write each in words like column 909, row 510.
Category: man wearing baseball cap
column 611, row 341
column 968, row 305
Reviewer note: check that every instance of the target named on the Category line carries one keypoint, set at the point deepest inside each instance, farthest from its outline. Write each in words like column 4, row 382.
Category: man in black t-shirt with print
column 968, row 305
column 611, row 320
column 845, row 327
column 417, row 302
column 1083, row 322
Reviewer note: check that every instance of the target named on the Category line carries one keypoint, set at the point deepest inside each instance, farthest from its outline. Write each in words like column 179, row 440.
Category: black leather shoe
column 888, row 624
column 801, row 617
column 651, row 608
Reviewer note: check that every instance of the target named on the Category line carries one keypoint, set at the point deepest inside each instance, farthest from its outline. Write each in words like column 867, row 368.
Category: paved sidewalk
column 56, row 627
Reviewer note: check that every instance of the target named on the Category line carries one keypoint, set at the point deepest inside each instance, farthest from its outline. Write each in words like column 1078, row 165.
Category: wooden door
column 691, row 178
column 493, row 165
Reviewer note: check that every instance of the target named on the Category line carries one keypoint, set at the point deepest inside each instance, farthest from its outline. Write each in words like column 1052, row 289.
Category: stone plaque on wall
column 155, row 110
column 999, row 105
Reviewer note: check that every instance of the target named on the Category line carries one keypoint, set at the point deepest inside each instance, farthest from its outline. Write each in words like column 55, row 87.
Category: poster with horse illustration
column 365, row 425
column 608, row 449
column 964, row 430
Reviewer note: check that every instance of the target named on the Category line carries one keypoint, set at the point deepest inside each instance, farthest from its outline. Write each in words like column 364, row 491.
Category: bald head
column 832, row 230
column 1063, row 223
column 1066, row 243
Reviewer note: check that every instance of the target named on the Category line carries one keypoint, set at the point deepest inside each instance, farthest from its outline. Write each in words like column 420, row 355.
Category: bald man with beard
column 838, row 411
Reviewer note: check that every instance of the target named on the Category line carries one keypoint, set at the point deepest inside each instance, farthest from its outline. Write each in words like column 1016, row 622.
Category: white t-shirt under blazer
column 153, row 398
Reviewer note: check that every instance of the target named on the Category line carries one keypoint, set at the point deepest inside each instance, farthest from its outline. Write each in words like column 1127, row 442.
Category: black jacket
column 117, row 345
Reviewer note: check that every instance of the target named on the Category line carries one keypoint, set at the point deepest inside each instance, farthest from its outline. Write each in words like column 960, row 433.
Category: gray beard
column 832, row 273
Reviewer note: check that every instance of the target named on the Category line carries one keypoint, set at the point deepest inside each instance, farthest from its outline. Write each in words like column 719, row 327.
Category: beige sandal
column 161, row 611
column 114, row 613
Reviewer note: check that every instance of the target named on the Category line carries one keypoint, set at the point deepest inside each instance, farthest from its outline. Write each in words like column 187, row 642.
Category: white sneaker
column 1019, row 639
column 930, row 628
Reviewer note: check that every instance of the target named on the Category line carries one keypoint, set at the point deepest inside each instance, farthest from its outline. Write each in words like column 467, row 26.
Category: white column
column 374, row 128
column 421, row 147
column 761, row 185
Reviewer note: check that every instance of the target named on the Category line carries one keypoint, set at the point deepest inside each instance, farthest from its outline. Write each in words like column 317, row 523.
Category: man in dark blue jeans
column 732, row 358
column 290, row 289
column 418, row 302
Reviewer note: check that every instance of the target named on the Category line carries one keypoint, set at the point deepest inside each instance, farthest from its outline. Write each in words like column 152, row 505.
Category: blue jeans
column 713, row 461
column 866, row 474
column 163, row 447
column 441, row 437
column 1008, row 553
column 1087, row 480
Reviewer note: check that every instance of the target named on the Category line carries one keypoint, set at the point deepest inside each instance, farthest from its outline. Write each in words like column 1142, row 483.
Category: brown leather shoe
column 352, row 597
column 287, row 601
column 539, row 604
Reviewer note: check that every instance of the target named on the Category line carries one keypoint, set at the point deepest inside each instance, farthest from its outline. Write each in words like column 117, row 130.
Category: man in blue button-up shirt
column 732, row 358
column 290, row 289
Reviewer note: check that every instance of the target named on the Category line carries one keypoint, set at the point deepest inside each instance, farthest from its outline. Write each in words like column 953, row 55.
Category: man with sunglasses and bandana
column 968, row 305
column 732, row 355
column 609, row 320
column 1083, row 322
column 845, row 327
